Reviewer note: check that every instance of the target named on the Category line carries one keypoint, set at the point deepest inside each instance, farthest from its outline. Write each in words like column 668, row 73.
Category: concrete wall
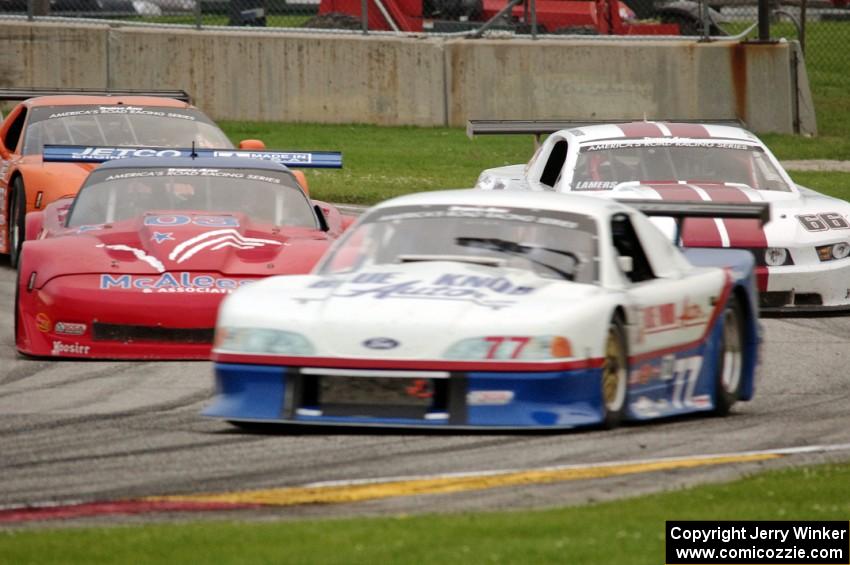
column 419, row 81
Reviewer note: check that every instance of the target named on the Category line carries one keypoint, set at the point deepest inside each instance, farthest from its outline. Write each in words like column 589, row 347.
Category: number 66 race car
column 802, row 257
column 476, row 309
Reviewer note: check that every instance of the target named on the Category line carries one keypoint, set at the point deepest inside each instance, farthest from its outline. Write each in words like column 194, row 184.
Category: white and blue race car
column 475, row 309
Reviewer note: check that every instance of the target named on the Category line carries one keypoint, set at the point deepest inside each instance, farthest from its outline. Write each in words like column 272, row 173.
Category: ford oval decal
column 381, row 343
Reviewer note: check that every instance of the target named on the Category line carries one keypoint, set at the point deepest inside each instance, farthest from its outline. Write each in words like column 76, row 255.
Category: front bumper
column 483, row 400
column 822, row 288
column 73, row 317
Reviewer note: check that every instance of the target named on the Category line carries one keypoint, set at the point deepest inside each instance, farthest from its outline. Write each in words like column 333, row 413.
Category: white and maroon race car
column 802, row 256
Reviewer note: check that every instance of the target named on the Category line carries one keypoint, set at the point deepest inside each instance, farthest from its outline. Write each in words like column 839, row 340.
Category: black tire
column 615, row 373
column 17, row 220
column 730, row 362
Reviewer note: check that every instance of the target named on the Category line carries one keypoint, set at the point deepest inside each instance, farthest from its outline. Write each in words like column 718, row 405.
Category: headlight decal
column 262, row 341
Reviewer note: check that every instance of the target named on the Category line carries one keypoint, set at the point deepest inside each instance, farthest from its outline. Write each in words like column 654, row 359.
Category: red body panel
column 149, row 287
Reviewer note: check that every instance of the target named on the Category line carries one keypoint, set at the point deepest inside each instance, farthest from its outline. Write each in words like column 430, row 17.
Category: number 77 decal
column 684, row 373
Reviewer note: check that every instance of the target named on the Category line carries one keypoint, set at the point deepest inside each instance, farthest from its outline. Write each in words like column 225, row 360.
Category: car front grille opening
column 129, row 334
column 780, row 299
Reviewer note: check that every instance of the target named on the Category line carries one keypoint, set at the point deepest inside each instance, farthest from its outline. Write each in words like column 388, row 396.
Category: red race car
column 135, row 266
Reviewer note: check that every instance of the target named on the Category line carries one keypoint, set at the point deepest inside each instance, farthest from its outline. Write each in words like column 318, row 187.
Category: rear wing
column 25, row 93
column 538, row 128
column 93, row 154
column 680, row 211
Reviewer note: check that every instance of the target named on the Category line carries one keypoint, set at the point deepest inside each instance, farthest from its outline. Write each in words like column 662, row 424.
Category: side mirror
column 627, row 264
column 252, row 144
column 323, row 221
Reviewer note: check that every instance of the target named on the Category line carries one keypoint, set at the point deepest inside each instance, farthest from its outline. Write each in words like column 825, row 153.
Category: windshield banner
column 301, row 159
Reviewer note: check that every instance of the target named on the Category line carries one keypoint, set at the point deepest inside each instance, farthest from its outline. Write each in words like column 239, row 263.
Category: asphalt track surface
column 94, row 431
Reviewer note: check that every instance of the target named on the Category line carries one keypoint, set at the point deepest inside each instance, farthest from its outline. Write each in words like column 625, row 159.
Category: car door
column 674, row 306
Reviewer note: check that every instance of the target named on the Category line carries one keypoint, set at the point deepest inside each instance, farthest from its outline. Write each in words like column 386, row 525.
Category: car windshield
column 121, row 126
column 553, row 244
column 111, row 195
column 605, row 165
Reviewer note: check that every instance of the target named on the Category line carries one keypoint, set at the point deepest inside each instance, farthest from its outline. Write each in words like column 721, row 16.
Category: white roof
column 659, row 130
column 565, row 202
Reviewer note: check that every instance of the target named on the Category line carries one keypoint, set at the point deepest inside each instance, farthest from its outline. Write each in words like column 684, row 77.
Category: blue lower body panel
column 258, row 393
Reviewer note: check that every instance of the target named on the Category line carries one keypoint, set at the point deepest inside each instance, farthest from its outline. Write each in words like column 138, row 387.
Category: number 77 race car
column 803, row 255
column 476, row 309
column 135, row 266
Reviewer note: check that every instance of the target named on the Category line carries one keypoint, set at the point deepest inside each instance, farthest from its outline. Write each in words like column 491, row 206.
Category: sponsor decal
column 421, row 388
column 645, row 407
column 69, row 328
column 159, row 237
column 61, row 348
column 110, row 153
column 201, row 221
column 215, row 240
column 489, row 397
column 596, row 184
column 93, row 227
column 121, row 110
column 669, row 142
column 183, row 282
column 492, row 292
column 381, row 343
column 692, row 313
column 42, row 322
column 194, row 172
column 662, row 317
column 644, row 374
column 289, row 158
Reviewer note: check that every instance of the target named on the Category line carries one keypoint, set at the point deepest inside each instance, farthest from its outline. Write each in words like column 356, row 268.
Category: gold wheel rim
column 611, row 372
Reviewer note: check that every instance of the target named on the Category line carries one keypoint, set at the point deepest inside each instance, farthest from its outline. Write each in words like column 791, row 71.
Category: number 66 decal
column 823, row 222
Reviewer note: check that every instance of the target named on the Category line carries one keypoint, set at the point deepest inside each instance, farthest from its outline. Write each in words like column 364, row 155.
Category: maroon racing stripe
column 743, row 234
column 697, row 232
column 687, row 130
column 641, row 129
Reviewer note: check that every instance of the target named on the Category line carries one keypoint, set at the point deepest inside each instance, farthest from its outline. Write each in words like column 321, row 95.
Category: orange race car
column 88, row 118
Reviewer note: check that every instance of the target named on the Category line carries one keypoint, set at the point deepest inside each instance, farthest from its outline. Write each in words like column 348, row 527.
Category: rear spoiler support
column 680, row 211
column 25, row 93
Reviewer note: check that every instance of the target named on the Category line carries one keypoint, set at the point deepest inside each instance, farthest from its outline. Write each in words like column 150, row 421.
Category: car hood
column 414, row 310
column 230, row 244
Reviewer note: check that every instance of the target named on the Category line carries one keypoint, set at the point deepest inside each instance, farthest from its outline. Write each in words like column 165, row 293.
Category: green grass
column 381, row 162
column 831, row 183
column 627, row 531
